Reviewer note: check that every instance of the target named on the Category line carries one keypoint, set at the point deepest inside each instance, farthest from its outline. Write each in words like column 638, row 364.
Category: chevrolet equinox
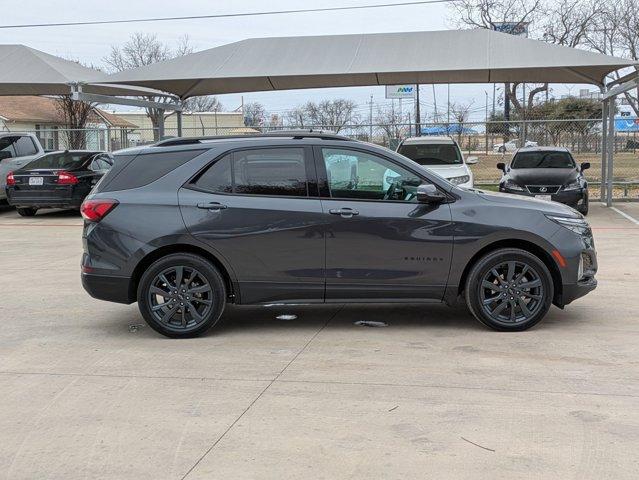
column 188, row 225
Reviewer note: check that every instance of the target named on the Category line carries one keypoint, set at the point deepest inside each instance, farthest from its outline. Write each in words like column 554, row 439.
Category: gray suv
column 190, row 224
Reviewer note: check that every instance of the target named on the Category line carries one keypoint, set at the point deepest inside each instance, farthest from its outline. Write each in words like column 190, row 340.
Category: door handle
column 211, row 206
column 344, row 212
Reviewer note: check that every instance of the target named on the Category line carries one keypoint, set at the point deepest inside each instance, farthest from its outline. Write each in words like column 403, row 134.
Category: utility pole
column 370, row 121
column 448, row 108
column 435, row 102
column 418, row 115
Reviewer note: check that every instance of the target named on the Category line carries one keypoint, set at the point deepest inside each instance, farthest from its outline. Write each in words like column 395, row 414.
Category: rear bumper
column 108, row 288
column 62, row 198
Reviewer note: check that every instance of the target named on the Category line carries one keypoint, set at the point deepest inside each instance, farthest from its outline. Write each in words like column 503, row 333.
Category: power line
column 225, row 15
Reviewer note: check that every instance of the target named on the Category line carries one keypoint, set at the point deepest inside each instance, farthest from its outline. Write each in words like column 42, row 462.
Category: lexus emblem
column 543, row 189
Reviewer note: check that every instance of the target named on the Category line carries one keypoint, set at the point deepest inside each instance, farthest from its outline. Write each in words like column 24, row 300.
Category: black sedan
column 56, row 180
column 547, row 173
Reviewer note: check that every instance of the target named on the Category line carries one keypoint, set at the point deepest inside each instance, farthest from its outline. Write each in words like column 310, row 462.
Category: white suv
column 442, row 155
column 16, row 150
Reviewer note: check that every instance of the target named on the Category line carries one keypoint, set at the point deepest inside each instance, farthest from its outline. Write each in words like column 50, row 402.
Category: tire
column 27, row 212
column 531, row 294
column 584, row 209
column 188, row 311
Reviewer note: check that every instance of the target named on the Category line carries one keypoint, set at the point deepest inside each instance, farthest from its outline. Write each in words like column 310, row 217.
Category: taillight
column 10, row 179
column 66, row 178
column 96, row 209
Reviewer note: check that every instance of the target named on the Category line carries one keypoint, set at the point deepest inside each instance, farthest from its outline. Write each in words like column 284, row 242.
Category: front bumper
column 573, row 198
column 572, row 292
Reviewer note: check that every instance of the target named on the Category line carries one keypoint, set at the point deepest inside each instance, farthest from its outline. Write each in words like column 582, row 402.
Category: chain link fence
column 491, row 142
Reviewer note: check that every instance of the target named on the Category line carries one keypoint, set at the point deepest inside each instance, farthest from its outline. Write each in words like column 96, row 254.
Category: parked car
column 16, row 150
column 442, row 155
column 56, row 180
column 188, row 225
column 547, row 173
column 512, row 145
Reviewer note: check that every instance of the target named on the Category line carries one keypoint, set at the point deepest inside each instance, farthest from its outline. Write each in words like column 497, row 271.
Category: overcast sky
column 90, row 44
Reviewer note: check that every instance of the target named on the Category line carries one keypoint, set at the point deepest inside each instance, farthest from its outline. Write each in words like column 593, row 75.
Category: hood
column 448, row 171
column 520, row 201
column 543, row 176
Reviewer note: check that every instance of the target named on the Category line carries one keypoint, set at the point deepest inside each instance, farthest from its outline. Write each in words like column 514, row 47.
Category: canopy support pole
column 604, row 148
column 611, row 153
column 179, row 123
column 161, row 124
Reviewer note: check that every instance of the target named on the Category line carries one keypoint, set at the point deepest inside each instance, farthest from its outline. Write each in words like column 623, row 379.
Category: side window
column 100, row 163
column 271, row 171
column 25, row 147
column 7, row 149
column 144, row 168
column 358, row 175
column 217, row 178
column 268, row 171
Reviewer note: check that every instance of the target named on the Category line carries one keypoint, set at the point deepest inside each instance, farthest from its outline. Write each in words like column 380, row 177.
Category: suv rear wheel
column 181, row 295
column 509, row 289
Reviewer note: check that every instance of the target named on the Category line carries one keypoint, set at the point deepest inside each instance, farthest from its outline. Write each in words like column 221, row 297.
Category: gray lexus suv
column 188, row 225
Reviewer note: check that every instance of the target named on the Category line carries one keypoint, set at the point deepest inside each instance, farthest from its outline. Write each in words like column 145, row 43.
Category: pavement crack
column 259, row 395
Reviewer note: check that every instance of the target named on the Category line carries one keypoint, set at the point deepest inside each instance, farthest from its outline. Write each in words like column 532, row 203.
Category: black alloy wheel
column 181, row 295
column 509, row 289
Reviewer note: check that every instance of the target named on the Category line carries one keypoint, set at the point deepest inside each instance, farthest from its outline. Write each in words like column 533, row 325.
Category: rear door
column 380, row 243
column 259, row 209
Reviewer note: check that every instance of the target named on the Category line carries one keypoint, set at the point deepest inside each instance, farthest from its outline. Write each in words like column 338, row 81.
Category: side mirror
column 472, row 160
column 585, row 166
column 501, row 166
column 428, row 193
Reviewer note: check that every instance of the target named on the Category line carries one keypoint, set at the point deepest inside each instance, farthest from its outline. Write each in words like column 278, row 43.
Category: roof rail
column 295, row 134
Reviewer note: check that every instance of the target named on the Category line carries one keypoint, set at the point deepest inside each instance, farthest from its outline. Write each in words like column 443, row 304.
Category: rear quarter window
column 133, row 171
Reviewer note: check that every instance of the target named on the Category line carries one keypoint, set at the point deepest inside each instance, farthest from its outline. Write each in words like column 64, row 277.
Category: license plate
column 548, row 198
column 36, row 181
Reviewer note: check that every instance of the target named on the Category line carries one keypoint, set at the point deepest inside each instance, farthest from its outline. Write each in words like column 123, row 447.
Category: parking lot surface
column 89, row 391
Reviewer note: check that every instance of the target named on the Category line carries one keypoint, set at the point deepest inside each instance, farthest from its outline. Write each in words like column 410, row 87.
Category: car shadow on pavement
column 416, row 317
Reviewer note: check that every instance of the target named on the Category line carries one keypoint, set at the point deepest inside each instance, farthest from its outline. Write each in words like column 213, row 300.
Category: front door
column 258, row 209
column 380, row 242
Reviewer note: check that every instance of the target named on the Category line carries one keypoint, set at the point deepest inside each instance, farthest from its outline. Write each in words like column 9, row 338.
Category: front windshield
column 60, row 160
column 543, row 160
column 432, row 154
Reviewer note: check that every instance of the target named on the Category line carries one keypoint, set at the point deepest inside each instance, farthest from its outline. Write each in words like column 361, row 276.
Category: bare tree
column 75, row 116
column 391, row 122
column 254, row 114
column 332, row 114
column 616, row 32
column 205, row 103
column 145, row 49
column 461, row 113
column 297, row 118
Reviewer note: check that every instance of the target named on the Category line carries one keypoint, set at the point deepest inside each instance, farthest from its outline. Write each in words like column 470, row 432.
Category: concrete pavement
column 88, row 391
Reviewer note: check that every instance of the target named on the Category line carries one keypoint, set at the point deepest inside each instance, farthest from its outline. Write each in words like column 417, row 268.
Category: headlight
column 459, row 180
column 573, row 186
column 577, row 225
column 510, row 185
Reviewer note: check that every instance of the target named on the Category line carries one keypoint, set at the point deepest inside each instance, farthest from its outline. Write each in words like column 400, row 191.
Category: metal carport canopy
column 453, row 56
column 27, row 71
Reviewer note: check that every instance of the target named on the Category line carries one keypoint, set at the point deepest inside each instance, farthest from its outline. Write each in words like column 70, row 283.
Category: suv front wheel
column 509, row 289
column 181, row 295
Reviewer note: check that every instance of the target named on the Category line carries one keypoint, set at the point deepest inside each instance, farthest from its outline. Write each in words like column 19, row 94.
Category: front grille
column 543, row 189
